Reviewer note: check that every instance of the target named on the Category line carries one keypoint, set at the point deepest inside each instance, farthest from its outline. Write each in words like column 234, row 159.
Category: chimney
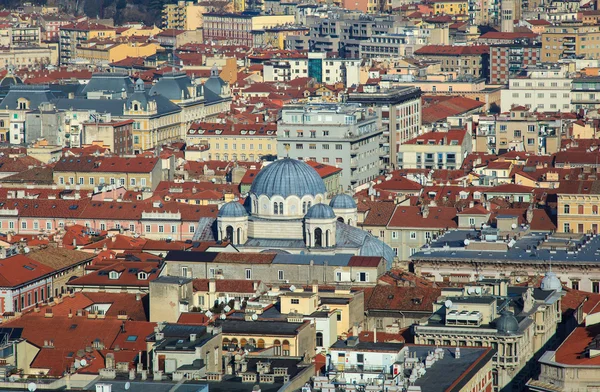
column 315, row 288
column 138, row 296
column 114, row 238
column 212, row 286
column 457, row 353
column 471, row 204
column 192, row 337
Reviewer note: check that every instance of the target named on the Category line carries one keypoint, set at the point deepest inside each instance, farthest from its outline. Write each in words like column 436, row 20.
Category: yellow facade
column 143, row 32
column 451, row 7
column 237, row 147
column 185, row 15
column 87, row 180
column 578, row 213
column 112, row 53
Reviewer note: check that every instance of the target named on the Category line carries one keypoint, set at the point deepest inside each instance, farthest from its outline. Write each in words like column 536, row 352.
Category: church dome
column 507, row 322
column 287, row 177
column 214, row 83
column 233, row 209
column 551, row 282
column 342, row 201
column 320, row 211
column 10, row 80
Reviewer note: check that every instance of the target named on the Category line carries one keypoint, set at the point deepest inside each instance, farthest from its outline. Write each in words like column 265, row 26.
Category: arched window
column 318, row 237
column 567, row 209
column 260, row 343
column 276, row 208
column 239, row 235
column 277, row 347
column 286, row 348
column 243, row 343
column 229, row 234
column 136, row 107
column 327, row 238
column 303, row 208
column 225, row 343
column 308, row 205
column 319, row 339
column 340, row 219
column 281, row 208
column 234, row 342
column 252, row 342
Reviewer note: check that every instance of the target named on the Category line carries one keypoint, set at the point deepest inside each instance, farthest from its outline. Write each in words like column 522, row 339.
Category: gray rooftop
column 532, row 247
column 281, row 328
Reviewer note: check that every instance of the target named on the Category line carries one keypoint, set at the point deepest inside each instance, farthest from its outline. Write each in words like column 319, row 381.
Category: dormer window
column 142, row 275
column 136, row 107
column 113, row 275
column 23, row 104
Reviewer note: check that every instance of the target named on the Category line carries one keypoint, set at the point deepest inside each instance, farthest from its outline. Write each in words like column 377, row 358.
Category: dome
column 342, row 201
column 214, row 83
column 320, row 211
column 10, row 80
column 287, row 177
column 233, row 209
column 373, row 246
column 507, row 323
column 551, row 282
column 174, row 86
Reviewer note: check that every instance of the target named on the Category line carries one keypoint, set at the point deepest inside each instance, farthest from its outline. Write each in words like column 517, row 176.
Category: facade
column 584, row 94
column 435, row 150
column 31, row 56
column 483, row 314
column 116, row 135
column 508, row 59
column 236, row 142
column 237, row 29
column 578, row 212
column 568, row 40
column 400, row 113
column 464, row 60
column 542, row 89
column 345, row 135
column 73, row 35
column 183, row 15
column 91, row 172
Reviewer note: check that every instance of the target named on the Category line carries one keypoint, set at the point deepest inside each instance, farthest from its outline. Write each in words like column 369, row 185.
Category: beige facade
column 569, row 40
column 169, row 297
column 578, row 213
column 185, row 15
column 90, row 180
column 33, row 57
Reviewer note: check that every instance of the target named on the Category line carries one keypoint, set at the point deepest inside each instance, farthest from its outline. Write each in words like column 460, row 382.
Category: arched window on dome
column 340, row 219
column 229, row 234
column 327, row 238
column 308, row 205
column 303, row 208
column 318, row 237
column 276, row 208
column 281, row 208
column 239, row 235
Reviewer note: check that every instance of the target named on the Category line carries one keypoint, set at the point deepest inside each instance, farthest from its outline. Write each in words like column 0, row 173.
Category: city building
column 116, row 135
column 238, row 28
column 540, row 88
column 400, row 112
column 443, row 149
column 519, row 323
column 507, row 60
column 72, row 36
column 577, row 208
column 568, row 40
column 471, row 60
column 346, row 135
column 183, row 15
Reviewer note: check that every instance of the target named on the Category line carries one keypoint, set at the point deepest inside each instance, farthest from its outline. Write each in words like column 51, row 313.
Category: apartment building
column 73, row 35
column 520, row 130
column 237, row 29
column 463, row 60
column 450, row 7
column 442, row 149
column 183, row 15
column 345, row 135
column 541, row 88
column 585, row 93
column 236, row 142
column 570, row 40
column 577, row 209
column 399, row 109
column 509, row 59
column 116, row 135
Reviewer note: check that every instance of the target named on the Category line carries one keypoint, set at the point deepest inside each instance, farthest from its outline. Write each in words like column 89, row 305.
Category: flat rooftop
column 531, row 247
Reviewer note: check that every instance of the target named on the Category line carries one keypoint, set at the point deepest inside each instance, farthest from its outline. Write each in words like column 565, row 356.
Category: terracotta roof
column 59, row 258
column 127, row 275
column 440, row 138
column 450, row 50
column 437, row 218
column 379, row 213
column 387, row 297
column 106, row 164
column 440, row 108
column 20, row 269
column 475, row 210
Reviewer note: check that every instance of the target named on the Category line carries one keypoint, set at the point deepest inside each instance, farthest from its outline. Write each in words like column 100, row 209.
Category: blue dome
column 233, row 209
column 342, row 201
column 320, row 211
column 507, row 323
column 551, row 282
column 286, row 177
column 373, row 246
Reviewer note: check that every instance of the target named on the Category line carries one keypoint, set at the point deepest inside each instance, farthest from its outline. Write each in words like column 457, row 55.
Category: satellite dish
column 470, row 290
column 254, row 317
column 448, row 304
column 478, row 290
column 514, row 226
column 26, row 249
column 227, row 308
column 127, row 385
column 518, row 278
column 292, row 288
column 223, row 316
column 83, row 363
column 467, row 242
column 31, row 387
column 208, row 314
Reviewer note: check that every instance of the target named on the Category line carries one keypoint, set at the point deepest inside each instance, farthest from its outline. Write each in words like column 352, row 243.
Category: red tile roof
column 20, row 269
column 439, row 138
column 437, row 218
column 127, row 275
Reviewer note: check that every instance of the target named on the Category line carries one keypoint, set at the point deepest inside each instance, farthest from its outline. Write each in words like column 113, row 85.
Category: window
column 91, row 180
column 280, row 275
column 394, row 235
column 596, row 287
column 325, row 146
column 567, row 209
column 23, row 225
column 11, row 225
column 595, row 209
column 339, row 316
column 48, row 225
column 295, row 301
column 173, row 229
column 319, row 339
column 362, row 276
column 413, row 235
column 338, row 146
column 192, row 229
column 472, row 221
column 184, row 271
column 517, row 133
column 132, row 228
column 131, row 338
column 338, row 160
column 575, row 285
column 113, row 275
column 338, row 276
column 248, row 273
column 567, row 227
column 161, row 229
column 147, row 229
